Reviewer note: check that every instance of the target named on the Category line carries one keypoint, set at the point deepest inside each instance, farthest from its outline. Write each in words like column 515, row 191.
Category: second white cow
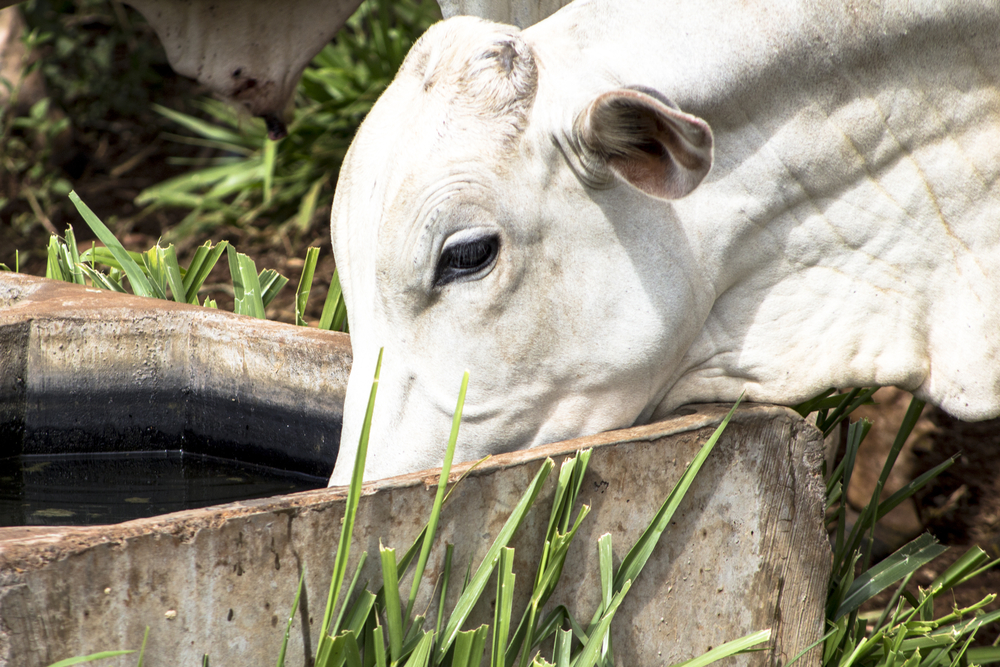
column 634, row 205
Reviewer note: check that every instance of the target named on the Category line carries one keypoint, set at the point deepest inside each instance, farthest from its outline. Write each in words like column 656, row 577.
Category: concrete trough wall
column 745, row 552
column 89, row 370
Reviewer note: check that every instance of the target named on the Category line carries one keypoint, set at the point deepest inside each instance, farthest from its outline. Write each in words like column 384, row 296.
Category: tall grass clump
column 157, row 273
column 905, row 632
column 379, row 628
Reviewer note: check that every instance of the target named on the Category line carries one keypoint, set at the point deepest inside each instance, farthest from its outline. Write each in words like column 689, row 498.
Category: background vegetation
column 155, row 158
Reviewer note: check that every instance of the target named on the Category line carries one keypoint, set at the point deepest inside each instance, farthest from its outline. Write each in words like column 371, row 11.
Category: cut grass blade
column 140, row 284
column 334, row 317
column 449, row 550
column 432, row 523
column 504, row 599
column 204, row 260
column 89, row 658
column 350, row 512
column 421, row 655
column 337, row 624
column 291, row 617
column 248, row 296
column 478, row 581
column 591, row 649
column 730, row 648
column 469, row 647
column 393, row 612
column 305, row 285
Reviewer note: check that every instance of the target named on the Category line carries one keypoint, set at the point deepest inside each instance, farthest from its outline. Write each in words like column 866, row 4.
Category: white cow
column 634, row 205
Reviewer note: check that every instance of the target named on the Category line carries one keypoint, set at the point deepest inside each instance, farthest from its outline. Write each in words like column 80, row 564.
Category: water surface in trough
column 87, row 489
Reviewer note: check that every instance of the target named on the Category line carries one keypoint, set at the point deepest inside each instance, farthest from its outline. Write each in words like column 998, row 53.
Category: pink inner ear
column 662, row 151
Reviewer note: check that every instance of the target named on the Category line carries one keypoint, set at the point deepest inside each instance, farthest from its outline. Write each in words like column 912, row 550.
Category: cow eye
column 466, row 258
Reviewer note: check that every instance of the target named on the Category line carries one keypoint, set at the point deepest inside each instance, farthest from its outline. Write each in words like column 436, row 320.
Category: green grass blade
column 246, row 285
column 413, row 634
column 551, row 624
column 856, row 433
column 351, row 507
column 89, row 658
column 334, row 311
column 236, row 273
column 961, row 570
column 906, row 560
column 337, row 627
column 140, row 285
column 152, row 262
column 344, row 651
column 822, row 402
column 449, row 550
column 591, row 649
column 271, row 282
column 305, row 285
column 53, row 270
column 360, row 612
column 983, row 655
column 201, row 127
column 469, row 647
column 142, row 649
column 729, row 648
column 205, row 259
column 393, row 611
column 562, row 651
column 307, row 209
column 422, row 653
column 291, row 617
column 911, row 488
column 378, row 641
column 102, row 255
column 607, row 580
column 174, row 277
column 101, row 280
column 73, row 257
column 432, row 523
column 478, row 581
column 640, row 552
column 270, row 157
column 851, row 402
column 504, row 599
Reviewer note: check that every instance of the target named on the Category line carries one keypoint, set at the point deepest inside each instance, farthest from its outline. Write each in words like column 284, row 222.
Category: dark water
column 84, row 489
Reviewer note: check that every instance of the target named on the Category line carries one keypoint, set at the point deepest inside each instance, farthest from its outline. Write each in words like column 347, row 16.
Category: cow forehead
column 455, row 112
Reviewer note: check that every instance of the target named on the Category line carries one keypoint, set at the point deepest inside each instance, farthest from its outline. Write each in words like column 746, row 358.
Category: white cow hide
column 534, row 207
column 252, row 52
column 521, row 13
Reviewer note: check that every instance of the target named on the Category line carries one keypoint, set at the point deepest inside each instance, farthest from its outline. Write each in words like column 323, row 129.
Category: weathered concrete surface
column 746, row 551
column 89, row 370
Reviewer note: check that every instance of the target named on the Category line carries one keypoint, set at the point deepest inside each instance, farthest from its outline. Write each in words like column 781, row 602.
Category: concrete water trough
column 745, row 552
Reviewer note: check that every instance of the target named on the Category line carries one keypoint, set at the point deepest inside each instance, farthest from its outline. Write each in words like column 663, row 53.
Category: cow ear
column 646, row 141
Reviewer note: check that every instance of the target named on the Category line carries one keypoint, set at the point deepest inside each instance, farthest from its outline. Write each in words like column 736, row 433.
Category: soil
column 109, row 168
column 962, row 508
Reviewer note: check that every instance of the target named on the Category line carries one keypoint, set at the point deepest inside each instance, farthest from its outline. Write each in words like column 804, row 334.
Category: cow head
column 485, row 221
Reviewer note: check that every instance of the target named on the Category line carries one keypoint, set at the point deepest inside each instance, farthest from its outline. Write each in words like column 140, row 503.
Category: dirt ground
column 962, row 507
column 108, row 170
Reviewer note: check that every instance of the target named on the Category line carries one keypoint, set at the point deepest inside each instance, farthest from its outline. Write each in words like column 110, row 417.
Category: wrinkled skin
column 574, row 256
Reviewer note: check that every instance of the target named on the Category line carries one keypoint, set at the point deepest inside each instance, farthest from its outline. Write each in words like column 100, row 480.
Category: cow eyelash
column 466, row 259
